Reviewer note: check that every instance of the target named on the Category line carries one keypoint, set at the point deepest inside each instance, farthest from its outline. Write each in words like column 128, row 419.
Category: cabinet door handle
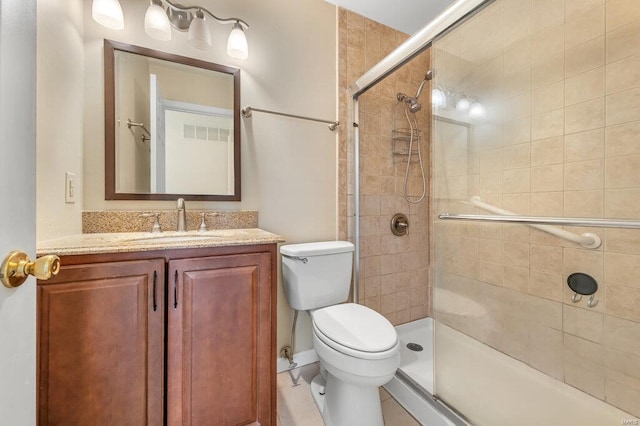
column 155, row 279
column 175, row 291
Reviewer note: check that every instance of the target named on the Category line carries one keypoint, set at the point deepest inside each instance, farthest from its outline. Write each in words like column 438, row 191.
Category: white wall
column 206, row 88
column 60, row 112
column 288, row 166
column 407, row 16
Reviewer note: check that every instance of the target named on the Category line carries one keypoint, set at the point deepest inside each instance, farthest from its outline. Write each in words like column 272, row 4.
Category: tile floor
column 297, row 408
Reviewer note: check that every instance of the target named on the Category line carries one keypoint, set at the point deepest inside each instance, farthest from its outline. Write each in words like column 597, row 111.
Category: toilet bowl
column 357, row 347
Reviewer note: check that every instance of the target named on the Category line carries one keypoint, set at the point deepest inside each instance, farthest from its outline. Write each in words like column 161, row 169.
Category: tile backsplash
column 133, row 221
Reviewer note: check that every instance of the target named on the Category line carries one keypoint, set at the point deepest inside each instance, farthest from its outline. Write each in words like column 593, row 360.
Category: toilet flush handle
column 302, row 259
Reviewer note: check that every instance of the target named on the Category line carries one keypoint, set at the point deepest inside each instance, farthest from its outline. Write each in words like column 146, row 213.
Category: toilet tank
column 317, row 274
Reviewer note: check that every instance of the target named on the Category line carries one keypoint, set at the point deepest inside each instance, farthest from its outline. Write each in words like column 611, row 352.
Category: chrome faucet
column 182, row 223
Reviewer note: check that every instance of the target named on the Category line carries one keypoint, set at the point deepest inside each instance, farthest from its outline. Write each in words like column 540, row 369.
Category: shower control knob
column 399, row 224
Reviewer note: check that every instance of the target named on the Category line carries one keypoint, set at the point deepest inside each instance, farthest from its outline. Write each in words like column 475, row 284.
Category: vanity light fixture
column 156, row 23
column 461, row 102
column 192, row 18
column 464, row 103
column 199, row 36
column 237, row 43
column 477, row 110
column 108, row 13
column 161, row 15
column 438, row 98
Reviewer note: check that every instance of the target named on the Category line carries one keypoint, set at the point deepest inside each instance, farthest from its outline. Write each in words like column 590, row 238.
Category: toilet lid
column 356, row 327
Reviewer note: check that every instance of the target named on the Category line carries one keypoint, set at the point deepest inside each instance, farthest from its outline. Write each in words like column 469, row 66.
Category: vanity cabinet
column 176, row 337
column 100, row 344
column 219, row 355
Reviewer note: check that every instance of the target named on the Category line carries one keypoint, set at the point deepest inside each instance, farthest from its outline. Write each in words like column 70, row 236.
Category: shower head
column 414, row 106
column 430, row 74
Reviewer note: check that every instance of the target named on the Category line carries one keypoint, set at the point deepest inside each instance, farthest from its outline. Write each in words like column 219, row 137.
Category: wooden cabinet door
column 101, row 336
column 221, row 367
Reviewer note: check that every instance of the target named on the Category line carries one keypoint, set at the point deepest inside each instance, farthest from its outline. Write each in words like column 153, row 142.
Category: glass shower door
column 534, row 116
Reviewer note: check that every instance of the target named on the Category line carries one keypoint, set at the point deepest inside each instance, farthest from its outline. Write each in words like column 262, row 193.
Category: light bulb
column 438, row 98
column 477, row 110
column 237, row 46
column 108, row 13
column 199, row 36
column 156, row 23
column 463, row 104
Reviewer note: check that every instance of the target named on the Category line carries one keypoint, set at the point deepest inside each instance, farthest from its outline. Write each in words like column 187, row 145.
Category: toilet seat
column 355, row 330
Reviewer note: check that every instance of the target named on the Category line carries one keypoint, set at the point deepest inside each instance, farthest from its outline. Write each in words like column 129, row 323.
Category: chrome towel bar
column 131, row 124
column 143, row 137
column 247, row 112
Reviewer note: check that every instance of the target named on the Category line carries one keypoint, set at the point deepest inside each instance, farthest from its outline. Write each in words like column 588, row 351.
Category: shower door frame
column 402, row 54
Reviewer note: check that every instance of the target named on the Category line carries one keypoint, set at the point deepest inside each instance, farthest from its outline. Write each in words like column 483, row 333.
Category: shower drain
column 414, row 347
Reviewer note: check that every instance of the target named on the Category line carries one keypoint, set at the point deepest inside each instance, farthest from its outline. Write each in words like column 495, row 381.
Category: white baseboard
column 300, row 359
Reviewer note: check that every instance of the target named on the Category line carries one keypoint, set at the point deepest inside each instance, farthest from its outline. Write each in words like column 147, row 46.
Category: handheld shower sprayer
column 412, row 102
column 428, row 76
column 411, row 107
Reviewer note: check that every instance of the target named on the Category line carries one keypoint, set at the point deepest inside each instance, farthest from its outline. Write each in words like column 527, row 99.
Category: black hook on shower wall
column 583, row 285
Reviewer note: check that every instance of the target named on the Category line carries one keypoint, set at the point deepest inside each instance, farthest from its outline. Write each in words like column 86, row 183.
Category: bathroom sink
column 173, row 238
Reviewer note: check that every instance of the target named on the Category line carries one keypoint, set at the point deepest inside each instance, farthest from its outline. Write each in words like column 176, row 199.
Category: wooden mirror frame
column 110, row 122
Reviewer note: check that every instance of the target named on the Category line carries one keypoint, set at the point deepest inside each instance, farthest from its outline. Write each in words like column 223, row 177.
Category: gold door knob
column 16, row 267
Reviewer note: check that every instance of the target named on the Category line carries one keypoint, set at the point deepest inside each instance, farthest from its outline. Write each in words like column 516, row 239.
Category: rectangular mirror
column 171, row 126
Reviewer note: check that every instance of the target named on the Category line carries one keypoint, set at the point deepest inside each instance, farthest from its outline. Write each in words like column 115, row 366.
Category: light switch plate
column 69, row 187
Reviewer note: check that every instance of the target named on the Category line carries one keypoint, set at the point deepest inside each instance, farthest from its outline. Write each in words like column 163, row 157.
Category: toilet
column 357, row 347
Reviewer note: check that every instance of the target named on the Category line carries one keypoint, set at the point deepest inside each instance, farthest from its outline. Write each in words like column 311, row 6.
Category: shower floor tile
column 297, row 408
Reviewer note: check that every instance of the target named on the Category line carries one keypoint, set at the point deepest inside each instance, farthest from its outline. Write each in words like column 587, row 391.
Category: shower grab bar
column 247, row 112
column 587, row 240
column 551, row 220
column 543, row 223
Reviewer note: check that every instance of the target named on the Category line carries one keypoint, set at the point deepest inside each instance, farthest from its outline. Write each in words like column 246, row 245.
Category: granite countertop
column 120, row 242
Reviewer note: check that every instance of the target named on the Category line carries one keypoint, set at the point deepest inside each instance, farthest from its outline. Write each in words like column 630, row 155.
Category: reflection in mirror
column 171, row 126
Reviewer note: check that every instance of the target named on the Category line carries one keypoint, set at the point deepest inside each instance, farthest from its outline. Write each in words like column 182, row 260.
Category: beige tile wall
column 394, row 273
column 561, row 82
